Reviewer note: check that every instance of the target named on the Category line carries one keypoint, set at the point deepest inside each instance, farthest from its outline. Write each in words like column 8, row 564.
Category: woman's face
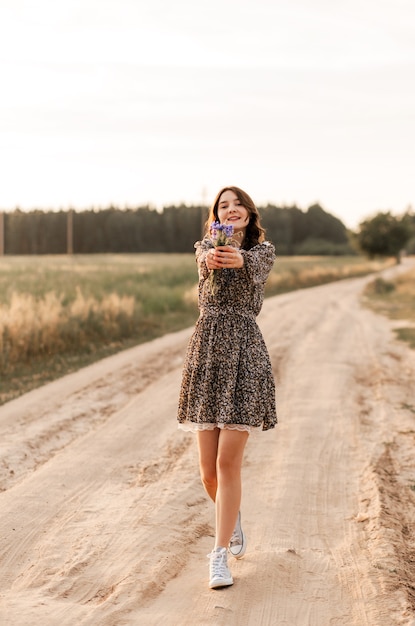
column 231, row 211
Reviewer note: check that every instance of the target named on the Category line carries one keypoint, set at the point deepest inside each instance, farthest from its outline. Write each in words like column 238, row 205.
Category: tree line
column 172, row 229
column 387, row 235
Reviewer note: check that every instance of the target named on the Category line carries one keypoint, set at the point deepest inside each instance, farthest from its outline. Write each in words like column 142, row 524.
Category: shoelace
column 218, row 563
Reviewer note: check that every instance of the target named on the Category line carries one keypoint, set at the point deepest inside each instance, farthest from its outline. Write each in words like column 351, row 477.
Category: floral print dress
column 227, row 377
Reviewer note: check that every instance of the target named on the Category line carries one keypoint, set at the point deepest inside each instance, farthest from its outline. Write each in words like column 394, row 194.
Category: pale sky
column 165, row 101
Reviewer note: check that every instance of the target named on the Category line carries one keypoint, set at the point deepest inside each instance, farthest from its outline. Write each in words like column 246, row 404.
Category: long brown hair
column 255, row 233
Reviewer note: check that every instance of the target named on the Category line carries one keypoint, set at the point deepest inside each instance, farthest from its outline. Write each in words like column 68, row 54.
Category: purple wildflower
column 220, row 233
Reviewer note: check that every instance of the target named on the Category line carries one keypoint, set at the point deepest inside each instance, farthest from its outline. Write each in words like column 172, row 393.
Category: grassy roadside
column 396, row 300
column 291, row 273
column 60, row 313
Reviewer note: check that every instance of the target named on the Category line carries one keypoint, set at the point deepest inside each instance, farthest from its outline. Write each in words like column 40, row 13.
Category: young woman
column 228, row 386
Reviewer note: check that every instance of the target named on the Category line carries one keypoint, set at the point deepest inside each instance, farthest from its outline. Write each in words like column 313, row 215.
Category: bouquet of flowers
column 221, row 235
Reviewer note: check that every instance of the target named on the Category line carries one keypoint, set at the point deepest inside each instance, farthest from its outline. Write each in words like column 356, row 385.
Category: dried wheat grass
column 31, row 327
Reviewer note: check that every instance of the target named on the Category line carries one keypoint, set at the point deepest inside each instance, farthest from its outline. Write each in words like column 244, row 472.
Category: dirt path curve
column 103, row 521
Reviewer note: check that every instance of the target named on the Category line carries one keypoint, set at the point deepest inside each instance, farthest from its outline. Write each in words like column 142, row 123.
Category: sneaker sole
column 222, row 582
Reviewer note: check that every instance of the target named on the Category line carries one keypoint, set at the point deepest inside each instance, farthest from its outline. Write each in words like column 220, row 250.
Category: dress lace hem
column 195, row 427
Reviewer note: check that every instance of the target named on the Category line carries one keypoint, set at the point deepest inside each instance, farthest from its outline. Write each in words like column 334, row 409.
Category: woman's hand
column 224, row 256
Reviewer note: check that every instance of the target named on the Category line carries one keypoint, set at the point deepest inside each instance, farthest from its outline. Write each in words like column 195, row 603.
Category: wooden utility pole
column 69, row 232
column 1, row 233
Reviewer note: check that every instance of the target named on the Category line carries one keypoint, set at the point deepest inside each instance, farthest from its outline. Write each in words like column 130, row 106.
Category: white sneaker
column 238, row 543
column 220, row 575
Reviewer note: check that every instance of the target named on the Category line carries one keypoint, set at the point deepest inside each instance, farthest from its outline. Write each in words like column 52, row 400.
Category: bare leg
column 220, row 458
column 230, row 450
column 208, row 451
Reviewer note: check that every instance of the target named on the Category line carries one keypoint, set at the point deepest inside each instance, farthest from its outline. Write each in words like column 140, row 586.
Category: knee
column 227, row 467
column 209, row 477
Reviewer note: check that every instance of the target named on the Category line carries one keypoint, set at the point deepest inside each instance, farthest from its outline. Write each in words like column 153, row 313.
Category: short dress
column 227, row 379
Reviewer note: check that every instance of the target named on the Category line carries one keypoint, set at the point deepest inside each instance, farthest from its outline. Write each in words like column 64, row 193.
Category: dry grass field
column 396, row 300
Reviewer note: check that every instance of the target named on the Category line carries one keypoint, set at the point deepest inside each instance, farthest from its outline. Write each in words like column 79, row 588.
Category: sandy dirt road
column 103, row 520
